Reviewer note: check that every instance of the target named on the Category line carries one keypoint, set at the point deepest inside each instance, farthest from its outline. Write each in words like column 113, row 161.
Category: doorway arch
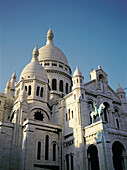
column 93, row 161
column 118, row 155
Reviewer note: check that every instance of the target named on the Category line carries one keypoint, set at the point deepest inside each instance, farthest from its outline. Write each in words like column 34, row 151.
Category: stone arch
column 118, row 151
column 92, row 155
column 67, row 161
column 105, row 115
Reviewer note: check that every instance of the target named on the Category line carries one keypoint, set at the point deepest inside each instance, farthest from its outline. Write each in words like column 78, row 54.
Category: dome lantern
column 35, row 54
column 50, row 36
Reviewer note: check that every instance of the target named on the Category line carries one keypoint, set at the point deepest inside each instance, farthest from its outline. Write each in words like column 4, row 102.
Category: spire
column 50, row 36
column 119, row 89
column 77, row 72
column 35, row 54
column 8, row 86
column 13, row 76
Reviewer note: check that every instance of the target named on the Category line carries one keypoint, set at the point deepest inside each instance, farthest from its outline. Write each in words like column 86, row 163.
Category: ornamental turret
column 120, row 92
column 13, row 81
column 78, row 88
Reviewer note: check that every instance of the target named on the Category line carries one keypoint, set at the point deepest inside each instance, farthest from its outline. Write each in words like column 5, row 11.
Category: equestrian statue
column 97, row 111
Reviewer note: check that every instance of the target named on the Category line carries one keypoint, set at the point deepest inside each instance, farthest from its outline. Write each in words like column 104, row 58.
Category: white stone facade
column 45, row 121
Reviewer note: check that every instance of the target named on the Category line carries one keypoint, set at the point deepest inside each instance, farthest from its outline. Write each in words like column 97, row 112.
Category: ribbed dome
column 34, row 69
column 50, row 52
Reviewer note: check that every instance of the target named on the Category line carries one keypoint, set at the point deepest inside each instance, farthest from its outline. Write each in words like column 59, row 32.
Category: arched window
column 61, row 86
column 72, row 166
column 69, row 117
column 46, row 147
column 106, row 111
column 29, row 90
column 117, row 123
column 66, row 88
column 26, row 88
column 118, row 156
column 101, row 78
column 38, row 91
column 39, row 150
column 90, row 108
column 54, row 84
column 92, row 154
column 54, row 152
column 66, row 117
column 117, row 119
column 72, row 114
column 67, row 161
column 41, row 92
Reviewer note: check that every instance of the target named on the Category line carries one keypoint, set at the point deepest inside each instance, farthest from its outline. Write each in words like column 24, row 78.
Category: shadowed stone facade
column 45, row 120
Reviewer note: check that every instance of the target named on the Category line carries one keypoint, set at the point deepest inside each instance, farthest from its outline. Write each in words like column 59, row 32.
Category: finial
column 50, row 36
column 99, row 67
column 35, row 53
column 14, row 75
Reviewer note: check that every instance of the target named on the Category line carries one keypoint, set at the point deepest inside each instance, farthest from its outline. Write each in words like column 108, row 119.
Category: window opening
column 72, row 162
column 54, row 84
column 46, row 147
column 29, row 90
column 41, row 92
column 66, row 88
column 117, row 122
column 61, row 86
column 39, row 150
column 69, row 114
column 72, row 114
column 54, row 152
column 38, row 116
column 66, row 116
column 67, row 161
column 26, row 88
column 54, row 64
column 38, row 90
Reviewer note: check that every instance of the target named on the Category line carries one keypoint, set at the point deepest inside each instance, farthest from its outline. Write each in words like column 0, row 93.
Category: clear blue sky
column 90, row 33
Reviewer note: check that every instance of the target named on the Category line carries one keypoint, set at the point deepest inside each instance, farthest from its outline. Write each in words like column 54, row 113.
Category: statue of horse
column 97, row 111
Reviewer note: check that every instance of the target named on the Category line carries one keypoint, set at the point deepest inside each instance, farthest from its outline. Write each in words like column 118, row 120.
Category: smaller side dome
column 77, row 72
column 34, row 69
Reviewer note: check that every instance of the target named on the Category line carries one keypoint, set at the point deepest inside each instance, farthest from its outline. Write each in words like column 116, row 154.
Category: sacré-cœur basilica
column 50, row 119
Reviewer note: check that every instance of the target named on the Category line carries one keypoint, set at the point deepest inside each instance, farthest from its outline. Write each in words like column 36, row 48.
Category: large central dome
column 49, row 52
